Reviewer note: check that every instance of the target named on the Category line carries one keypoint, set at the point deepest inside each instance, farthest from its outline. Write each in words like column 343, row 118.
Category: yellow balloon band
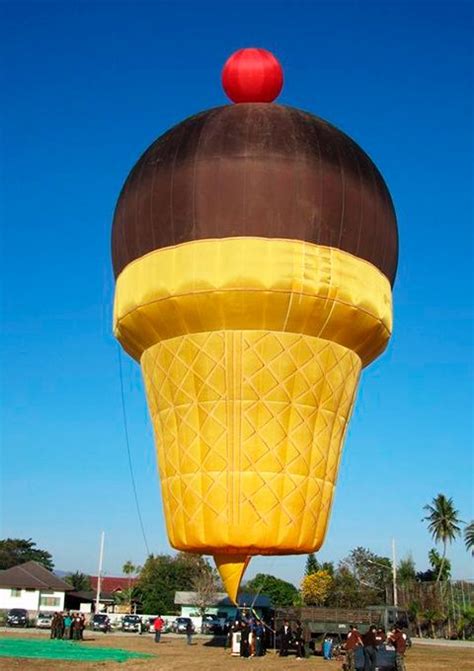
column 253, row 283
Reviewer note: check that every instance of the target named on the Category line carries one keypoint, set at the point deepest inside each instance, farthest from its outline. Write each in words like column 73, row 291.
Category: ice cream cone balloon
column 254, row 247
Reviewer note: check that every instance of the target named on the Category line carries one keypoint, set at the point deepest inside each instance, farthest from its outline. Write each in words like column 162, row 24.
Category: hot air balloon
column 254, row 247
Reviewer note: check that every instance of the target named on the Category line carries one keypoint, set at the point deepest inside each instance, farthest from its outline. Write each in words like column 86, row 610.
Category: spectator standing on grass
column 399, row 640
column 285, row 638
column 189, row 632
column 259, row 639
column 380, row 637
column 244, row 639
column 67, row 626
column 370, row 643
column 353, row 641
column 158, row 627
column 298, row 638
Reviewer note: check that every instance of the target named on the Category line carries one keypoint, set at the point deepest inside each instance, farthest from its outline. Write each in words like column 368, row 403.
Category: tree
column 312, row 564
column 162, row 576
column 280, row 592
column 345, row 592
column 315, row 588
column 80, row 581
column 373, row 574
column 126, row 596
column 14, row 551
column 469, row 537
column 441, row 567
column 443, row 524
column 406, row 571
column 205, row 584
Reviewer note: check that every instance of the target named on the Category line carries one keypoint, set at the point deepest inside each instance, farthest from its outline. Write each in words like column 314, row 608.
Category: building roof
column 32, row 575
column 221, row 599
column 110, row 584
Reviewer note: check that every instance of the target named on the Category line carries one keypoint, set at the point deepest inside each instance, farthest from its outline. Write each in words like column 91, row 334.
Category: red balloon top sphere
column 252, row 76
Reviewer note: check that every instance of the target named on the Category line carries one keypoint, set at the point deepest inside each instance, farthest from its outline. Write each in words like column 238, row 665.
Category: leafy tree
column 443, row 524
column 441, row 567
column 280, row 592
column 315, row 588
column 312, row 564
column 345, row 592
column 162, row 576
column 14, row 551
column 469, row 537
column 414, row 613
column 372, row 572
column 80, row 581
column 406, row 571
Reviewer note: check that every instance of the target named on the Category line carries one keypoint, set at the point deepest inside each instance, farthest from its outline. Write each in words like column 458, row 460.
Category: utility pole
column 394, row 572
column 99, row 576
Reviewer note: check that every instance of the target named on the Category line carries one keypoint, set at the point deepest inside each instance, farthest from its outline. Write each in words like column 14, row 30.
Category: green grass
column 74, row 651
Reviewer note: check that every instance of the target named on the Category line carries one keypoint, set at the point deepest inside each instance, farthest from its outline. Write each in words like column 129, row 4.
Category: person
column 327, row 648
column 285, row 638
column 353, row 641
column 399, row 640
column 67, row 626
column 370, row 643
column 158, row 626
column 298, row 638
column 252, row 641
column 189, row 632
column 259, row 639
column 76, row 627
column 244, row 639
column 54, row 626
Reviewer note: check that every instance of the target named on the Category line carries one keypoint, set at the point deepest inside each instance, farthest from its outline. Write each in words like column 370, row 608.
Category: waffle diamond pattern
column 249, row 428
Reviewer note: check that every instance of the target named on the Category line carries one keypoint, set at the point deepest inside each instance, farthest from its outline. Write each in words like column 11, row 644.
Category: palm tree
column 130, row 569
column 443, row 524
column 469, row 537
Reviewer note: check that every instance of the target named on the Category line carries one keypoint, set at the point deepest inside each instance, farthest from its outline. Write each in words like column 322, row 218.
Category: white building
column 33, row 587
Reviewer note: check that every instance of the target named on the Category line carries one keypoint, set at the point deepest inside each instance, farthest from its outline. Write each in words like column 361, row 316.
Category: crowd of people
column 253, row 636
column 68, row 626
column 371, row 641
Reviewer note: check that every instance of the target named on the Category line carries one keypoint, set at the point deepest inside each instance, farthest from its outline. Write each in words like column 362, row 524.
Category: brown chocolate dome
column 256, row 170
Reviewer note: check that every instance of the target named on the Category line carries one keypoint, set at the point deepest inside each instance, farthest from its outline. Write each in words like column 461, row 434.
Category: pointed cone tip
column 231, row 569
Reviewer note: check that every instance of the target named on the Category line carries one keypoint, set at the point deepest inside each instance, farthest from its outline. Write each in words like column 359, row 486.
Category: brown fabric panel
column 261, row 170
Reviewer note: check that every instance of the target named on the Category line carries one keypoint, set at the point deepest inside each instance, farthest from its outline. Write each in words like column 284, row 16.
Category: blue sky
column 86, row 88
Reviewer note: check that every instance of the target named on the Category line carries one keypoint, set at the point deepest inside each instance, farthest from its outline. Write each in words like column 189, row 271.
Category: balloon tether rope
column 127, row 443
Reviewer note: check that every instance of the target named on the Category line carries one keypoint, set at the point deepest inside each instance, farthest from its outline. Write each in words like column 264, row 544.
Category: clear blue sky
column 86, row 88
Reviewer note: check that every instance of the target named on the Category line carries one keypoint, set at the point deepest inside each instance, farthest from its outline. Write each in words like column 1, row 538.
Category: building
column 111, row 592
column 221, row 605
column 33, row 587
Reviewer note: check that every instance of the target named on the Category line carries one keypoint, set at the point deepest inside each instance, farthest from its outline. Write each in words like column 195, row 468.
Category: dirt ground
column 172, row 654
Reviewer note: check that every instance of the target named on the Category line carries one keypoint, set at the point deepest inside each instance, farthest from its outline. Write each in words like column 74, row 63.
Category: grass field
column 172, row 654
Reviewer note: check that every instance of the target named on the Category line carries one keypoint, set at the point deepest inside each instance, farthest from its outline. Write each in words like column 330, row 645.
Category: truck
column 336, row 621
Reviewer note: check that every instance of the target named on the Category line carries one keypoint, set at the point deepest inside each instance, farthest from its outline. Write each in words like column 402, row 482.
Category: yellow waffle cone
column 231, row 569
column 249, row 428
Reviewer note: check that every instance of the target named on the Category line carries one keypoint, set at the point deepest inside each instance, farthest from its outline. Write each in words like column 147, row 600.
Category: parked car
column 18, row 617
column 101, row 622
column 180, row 624
column 211, row 624
column 43, row 621
column 131, row 623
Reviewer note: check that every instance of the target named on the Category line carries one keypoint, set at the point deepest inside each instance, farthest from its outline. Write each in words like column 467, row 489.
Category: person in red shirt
column 352, row 642
column 158, row 626
column 399, row 640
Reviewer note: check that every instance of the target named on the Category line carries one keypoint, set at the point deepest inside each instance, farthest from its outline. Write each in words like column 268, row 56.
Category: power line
column 127, row 442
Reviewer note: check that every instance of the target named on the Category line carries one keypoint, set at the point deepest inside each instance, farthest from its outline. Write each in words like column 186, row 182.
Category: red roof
column 109, row 584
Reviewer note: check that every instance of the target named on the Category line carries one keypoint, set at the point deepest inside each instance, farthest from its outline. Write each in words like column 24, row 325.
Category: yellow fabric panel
column 249, row 426
column 253, row 283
